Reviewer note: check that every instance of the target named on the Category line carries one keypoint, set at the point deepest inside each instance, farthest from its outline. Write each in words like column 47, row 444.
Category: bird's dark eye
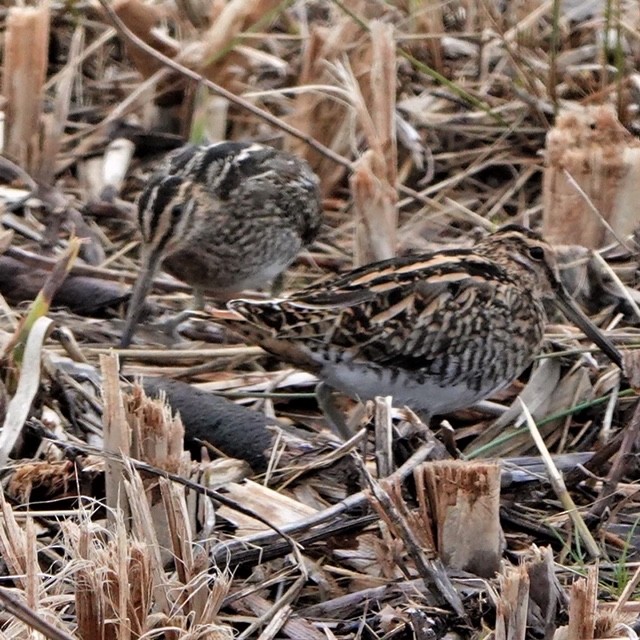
column 176, row 210
column 536, row 253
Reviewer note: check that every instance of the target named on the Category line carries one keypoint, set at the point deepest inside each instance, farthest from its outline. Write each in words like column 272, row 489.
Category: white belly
column 421, row 393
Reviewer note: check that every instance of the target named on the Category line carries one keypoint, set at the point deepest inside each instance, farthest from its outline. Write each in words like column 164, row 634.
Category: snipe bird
column 438, row 331
column 224, row 218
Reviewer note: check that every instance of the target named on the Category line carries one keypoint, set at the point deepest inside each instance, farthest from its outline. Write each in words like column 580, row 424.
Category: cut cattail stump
column 414, row 529
column 117, row 437
column 583, row 605
column 157, row 438
column 373, row 182
column 529, row 597
column 26, row 55
column 546, row 595
column 326, row 120
column 512, row 604
column 591, row 183
column 589, row 618
column 463, row 500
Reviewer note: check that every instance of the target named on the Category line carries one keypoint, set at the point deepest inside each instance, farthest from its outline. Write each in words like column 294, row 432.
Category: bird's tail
column 287, row 350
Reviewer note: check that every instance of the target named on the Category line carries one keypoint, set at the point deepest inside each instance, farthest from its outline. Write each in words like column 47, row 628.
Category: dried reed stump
column 591, row 179
column 583, row 604
column 512, row 605
column 546, row 596
column 463, row 502
column 24, row 70
column 528, row 597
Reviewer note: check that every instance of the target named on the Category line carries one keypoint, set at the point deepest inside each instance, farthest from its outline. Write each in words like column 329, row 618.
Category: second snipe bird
column 438, row 331
column 223, row 218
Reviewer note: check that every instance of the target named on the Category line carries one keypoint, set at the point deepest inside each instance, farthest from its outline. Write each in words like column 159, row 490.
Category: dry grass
column 426, row 122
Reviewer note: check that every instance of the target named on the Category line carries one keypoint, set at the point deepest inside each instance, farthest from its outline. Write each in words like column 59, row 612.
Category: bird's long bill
column 574, row 313
column 150, row 263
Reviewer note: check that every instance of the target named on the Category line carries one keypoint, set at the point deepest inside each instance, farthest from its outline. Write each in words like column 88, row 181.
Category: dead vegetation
column 426, row 123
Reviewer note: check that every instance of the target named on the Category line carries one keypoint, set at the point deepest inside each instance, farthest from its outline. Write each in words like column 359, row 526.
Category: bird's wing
column 403, row 309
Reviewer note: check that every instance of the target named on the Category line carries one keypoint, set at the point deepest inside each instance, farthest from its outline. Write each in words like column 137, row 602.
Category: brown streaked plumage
column 223, row 218
column 439, row 331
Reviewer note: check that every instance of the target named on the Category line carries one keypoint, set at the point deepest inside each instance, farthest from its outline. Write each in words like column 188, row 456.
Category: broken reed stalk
column 591, row 183
column 195, row 593
column 144, row 528
column 112, row 581
column 160, row 518
column 121, row 583
column 322, row 114
column 157, row 438
column 19, row 548
column 512, row 605
column 414, row 531
column 54, row 123
column 384, row 437
column 117, row 436
column 26, row 55
column 545, row 593
column 583, row 604
column 462, row 501
column 373, row 182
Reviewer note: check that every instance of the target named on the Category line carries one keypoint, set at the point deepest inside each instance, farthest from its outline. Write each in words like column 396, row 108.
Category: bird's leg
column 334, row 417
column 277, row 285
column 198, row 299
column 170, row 326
